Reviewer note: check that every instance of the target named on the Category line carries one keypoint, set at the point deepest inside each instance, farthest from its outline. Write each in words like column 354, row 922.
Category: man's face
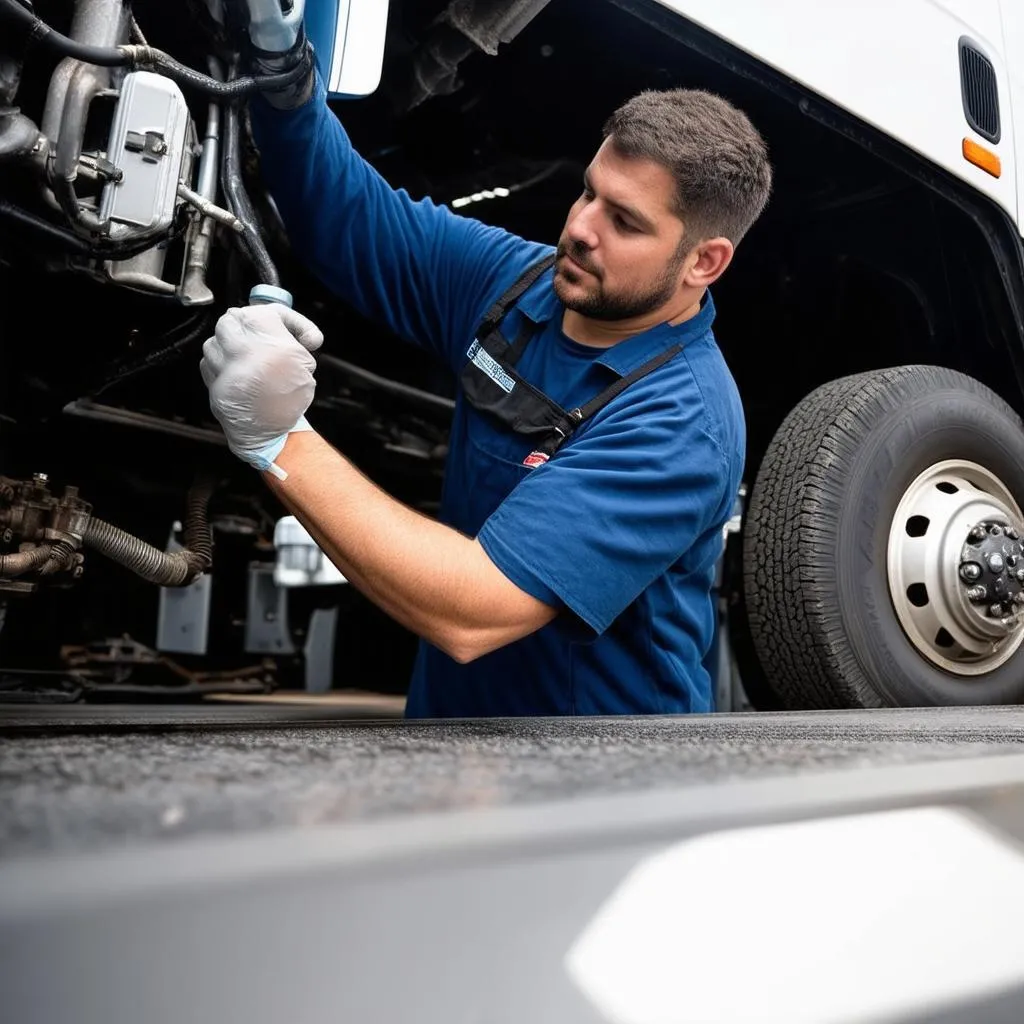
column 621, row 252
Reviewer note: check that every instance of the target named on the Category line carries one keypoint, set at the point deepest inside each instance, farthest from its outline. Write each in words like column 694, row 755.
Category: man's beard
column 623, row 306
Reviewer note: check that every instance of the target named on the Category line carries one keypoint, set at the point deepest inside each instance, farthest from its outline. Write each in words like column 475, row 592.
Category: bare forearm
column 432, row 579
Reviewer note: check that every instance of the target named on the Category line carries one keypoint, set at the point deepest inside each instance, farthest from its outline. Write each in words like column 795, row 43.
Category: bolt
column 995, row 562
column 977, row 534
column 995, row 530
column 978, row 593
column 970, row 571
column 995, row 610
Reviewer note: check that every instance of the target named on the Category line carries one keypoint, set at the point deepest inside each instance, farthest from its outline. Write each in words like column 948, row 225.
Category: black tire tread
column 790, row 532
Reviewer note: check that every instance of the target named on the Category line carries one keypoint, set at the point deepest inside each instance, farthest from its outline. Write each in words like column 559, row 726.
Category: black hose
column 240, row 204
column 41, row 34
column 106, row 250
column 148, row 57
column 18, row 135
column 166, row 569
column 237, row 88
column 20, row 562
column 197, row 327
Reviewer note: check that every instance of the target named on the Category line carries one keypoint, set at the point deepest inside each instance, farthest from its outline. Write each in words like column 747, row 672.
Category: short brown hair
column 718, row 158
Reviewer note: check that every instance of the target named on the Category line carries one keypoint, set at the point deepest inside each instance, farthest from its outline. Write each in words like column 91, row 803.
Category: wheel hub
column 956, row 568
column 992, row 572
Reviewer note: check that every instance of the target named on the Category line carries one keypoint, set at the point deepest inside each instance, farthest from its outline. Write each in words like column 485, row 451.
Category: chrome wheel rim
column 956, row 568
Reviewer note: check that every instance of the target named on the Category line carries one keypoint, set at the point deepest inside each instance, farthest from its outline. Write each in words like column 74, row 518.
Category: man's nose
column 583, row 227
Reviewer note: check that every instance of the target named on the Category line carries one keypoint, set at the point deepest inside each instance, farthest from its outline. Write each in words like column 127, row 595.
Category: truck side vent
column 979, row 90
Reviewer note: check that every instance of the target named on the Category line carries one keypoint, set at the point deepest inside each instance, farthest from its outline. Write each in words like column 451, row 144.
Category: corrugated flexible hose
column 166, row 569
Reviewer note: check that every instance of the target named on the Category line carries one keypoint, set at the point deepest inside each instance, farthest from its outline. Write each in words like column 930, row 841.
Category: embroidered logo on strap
column 484, row 361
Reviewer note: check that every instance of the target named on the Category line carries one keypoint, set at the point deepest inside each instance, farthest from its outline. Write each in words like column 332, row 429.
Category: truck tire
column 882, row 550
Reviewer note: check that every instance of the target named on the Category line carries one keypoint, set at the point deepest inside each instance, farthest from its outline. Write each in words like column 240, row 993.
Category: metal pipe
column 206, row 186
column 85, row 84
column 208, row 209
column 99, row 23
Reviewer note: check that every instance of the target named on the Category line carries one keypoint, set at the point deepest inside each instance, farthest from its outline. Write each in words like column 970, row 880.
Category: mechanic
column 598, row 436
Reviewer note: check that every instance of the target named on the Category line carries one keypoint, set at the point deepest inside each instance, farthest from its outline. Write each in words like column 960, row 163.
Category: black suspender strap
column 574, row 417
column 526, row 333
column 599, row 401
column 494, row 315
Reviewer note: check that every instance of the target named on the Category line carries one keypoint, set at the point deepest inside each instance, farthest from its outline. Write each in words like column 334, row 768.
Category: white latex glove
column 259, row 371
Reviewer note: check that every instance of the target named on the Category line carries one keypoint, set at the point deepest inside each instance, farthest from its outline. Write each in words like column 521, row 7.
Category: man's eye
column 624, row 225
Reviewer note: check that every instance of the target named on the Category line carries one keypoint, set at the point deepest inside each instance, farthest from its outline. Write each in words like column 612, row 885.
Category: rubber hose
column 237, row 88
column 240, row 204
column 146, row 56
column 20, row 562
column 18, row 135
column 73, row 243
column 48, row 39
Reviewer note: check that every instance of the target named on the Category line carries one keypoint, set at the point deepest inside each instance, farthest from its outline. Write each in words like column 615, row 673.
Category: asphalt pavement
column 83, row 777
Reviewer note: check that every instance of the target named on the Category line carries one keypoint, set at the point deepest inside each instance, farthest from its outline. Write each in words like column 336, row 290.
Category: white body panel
column 892, row 63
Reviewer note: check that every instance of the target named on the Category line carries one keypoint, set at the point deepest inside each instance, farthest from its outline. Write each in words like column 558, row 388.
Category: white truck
column 874, row 319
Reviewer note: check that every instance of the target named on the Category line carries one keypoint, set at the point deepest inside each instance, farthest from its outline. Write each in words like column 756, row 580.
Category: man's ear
column 708, row 262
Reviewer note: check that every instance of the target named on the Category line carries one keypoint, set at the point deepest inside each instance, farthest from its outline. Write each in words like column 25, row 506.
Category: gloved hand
column 259, row 371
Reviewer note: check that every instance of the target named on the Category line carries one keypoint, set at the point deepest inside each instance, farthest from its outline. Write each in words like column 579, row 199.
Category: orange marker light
column 982, row 157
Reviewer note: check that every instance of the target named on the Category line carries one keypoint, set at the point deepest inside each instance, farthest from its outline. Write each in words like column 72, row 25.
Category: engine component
column 147, row 149
column 146, row 57
column 49, row 532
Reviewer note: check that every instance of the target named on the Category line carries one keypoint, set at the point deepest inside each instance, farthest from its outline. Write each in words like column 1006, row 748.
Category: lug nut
column 1012, row 533
column 996, row 530
column 7, row 536
column 40, row 479
column 1018, row 598
column 995, row 610
column 1012, row 560
column 970, row 571
column 978, row 593
column 978, row 533
column 995, row 562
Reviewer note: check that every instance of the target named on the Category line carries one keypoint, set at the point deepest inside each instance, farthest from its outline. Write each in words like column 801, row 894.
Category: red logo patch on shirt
column 535, row 459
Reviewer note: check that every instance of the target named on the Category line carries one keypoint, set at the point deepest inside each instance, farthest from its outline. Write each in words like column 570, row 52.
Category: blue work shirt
column 621, row 530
